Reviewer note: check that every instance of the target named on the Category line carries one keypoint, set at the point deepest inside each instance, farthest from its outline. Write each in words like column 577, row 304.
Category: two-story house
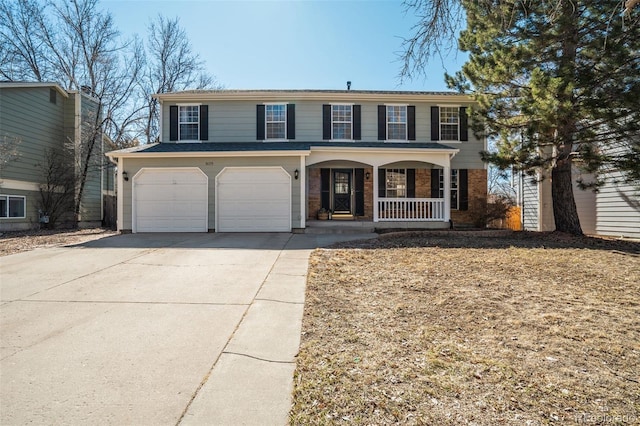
column 270, row 160
column 41, row 123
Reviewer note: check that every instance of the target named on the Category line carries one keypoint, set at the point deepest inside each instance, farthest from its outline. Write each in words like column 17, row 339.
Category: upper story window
column 396, row 183
column 397, row 122
column 276, row 121
column 341, row 122
column 13, row 206
column 449, row 123
column 188, row 122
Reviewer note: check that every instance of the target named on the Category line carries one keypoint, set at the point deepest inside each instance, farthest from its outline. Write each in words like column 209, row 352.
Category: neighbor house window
column 397, row 122
column 449, row 122
column 13, row 206
column 276, row 121
column 341, row 122
column 396, row 183
column 188, row 122
column 455, row 186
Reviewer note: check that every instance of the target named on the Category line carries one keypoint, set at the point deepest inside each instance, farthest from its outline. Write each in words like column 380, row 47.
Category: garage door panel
column 253, row 199
column 171, row 200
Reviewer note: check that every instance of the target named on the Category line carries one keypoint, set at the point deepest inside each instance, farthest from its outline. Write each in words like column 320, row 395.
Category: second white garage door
column 253, row 199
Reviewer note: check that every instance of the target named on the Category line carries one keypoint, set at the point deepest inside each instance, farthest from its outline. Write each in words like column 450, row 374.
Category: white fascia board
column 335, row 97
column 383, row 150
column 207, row 154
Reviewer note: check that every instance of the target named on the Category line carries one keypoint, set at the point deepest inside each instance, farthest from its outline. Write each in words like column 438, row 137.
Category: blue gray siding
column 235, row 121
column 618, row 209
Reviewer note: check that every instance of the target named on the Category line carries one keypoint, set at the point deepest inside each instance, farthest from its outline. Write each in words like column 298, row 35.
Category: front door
column 342, row 191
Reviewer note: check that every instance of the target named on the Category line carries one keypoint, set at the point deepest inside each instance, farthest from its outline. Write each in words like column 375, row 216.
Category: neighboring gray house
column 613, row 211
column 270, row 160
column 36, row 118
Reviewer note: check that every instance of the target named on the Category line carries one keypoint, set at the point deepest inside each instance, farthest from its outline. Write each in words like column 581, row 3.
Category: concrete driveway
column 154, row 329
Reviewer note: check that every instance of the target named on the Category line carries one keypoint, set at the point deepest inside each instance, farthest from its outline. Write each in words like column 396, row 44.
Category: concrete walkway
column 154, row 329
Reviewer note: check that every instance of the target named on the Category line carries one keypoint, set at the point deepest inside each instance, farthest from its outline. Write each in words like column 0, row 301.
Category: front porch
column 402, row 192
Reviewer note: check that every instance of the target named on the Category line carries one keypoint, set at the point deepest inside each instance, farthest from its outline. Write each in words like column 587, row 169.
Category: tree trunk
column 565, row 212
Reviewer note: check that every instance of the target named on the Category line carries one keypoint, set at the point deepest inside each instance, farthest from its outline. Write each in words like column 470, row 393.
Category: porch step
column 338, row 227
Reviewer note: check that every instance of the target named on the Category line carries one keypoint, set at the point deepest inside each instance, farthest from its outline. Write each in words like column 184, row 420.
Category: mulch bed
column 18, row 241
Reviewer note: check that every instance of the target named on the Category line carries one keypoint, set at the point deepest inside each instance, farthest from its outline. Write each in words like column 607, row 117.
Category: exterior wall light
column 125, row 176
column 296, row 173
column 367, row 175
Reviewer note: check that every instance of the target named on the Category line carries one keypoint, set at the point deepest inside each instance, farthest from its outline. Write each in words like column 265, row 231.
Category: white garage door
column 253, row 199
column 170, row 200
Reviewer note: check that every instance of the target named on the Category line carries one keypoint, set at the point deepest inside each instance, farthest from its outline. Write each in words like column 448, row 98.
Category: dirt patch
column 485, row 328
column 18, row 241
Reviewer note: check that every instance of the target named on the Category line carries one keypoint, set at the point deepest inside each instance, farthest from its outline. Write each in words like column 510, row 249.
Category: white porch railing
column 411, row 209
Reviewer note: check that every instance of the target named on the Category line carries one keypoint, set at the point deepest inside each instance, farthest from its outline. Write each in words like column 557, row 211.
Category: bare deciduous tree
column 172, row 66
column 57, row 192
column 8, row 150
column 23, row 54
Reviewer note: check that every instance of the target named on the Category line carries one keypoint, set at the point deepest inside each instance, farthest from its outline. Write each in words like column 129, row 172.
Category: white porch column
column 375, row 193
column 447, row 193
column 303, row 192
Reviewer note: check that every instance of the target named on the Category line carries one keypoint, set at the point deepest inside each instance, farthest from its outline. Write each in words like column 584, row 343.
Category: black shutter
column 359, row 184
column 435, row 183
column 463, row 192
column 325, row 188
column 464, row 127
column 382, row 122
column 326, row 121
column 411, row 183
column 204, row 122
column 291, row 121
column 357, row 123
column 260, row 111
column 382, row 183
column 411, row 123
column 435, row 123
column 173, row 123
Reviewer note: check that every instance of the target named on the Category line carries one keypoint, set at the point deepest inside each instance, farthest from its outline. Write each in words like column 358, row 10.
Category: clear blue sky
column 317, row 44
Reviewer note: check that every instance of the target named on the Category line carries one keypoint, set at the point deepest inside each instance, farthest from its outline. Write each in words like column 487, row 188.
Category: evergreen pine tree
column 555, row 83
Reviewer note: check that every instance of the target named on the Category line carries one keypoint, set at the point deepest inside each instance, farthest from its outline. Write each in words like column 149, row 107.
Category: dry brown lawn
column 18, row 241
column 482, row 328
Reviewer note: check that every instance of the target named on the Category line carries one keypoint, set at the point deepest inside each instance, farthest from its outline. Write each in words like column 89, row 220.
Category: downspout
column 77, row 155
column 161, row 115
column 303, row 192
column 120, row 196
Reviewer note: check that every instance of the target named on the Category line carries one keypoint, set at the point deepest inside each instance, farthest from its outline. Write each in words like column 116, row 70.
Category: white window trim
column 440, row 123
column 350, row 122
column 406, row 122
column 188, row 140
column 453, row 182
column 24, row 203
column 386, row 187
column 286, row 112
